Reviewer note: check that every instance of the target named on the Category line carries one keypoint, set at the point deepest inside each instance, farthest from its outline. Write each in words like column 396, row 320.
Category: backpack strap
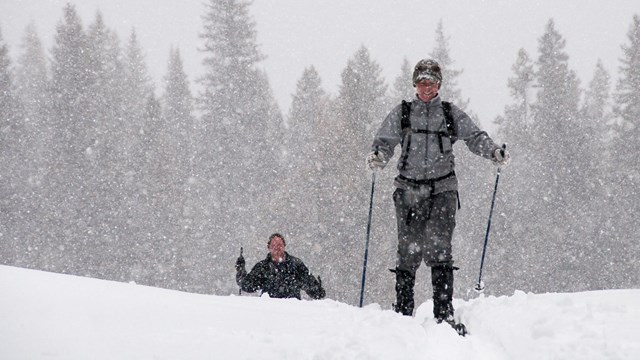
column 406, row 110
column 405, row 125
column 448, row 118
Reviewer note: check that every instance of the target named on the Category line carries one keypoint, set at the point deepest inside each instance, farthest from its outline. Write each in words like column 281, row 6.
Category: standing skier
column 280, row 275
column 426, row 195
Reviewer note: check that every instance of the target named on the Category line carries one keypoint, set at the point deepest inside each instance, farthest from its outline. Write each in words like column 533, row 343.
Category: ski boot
column 442, row 281
column 405, row 281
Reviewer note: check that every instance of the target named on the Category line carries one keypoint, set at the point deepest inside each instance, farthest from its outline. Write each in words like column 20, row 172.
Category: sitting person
column 280, row 275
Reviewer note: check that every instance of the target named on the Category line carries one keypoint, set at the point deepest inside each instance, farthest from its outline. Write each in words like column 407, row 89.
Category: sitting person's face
column 276, row 249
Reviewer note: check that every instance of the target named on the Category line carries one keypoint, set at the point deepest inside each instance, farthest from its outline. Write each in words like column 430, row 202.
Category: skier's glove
column 501, row 157
column 240, row 263
column 376, row 160
column 321, row 293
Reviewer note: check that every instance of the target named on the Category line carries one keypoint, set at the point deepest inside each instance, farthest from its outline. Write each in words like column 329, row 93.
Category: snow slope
column 52, row 316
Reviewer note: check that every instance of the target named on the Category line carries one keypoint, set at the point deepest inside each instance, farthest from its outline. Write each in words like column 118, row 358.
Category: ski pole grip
column 504, row 148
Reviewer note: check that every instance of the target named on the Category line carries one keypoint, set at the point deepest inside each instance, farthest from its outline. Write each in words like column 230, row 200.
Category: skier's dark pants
column 425, row 228
column 442, row 281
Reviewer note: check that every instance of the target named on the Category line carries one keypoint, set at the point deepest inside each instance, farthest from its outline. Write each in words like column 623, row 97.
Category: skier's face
column 276, row 249
column 427, row 90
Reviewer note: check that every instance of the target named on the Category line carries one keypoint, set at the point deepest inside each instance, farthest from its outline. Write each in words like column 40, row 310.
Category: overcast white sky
column 485, row 35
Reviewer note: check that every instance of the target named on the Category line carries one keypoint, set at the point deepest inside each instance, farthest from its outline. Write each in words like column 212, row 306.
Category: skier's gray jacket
column 430, row 155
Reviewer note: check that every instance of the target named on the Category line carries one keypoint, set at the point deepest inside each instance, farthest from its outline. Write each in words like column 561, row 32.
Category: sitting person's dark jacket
column 280, row 275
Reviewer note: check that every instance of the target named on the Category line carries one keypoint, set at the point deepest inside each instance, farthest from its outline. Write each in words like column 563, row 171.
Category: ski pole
column 240, row 290
column 480, row 285
column 366, row 247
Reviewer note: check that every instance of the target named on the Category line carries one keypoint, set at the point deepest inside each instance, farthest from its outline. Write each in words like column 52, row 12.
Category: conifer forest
column 105, row 175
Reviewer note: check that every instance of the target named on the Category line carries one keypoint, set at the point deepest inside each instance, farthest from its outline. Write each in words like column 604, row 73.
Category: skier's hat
column 427, row 69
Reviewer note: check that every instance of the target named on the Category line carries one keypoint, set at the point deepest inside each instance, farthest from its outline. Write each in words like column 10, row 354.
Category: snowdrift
column 52, row 316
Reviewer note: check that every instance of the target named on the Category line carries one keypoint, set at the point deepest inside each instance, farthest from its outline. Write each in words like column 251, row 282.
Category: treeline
column 103, row 175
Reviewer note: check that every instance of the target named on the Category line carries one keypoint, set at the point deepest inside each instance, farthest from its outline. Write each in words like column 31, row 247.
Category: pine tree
column 596, row 114
column 10, row 124
column 403, row 85
column 362, row 98
column 516, row 123
column 105, row 82
column 32, row 91
column 138, row 110
column 178, row 113
column 359, row 108
column 107, row 77
column 513, row 198
column 175, row 153
column 155, row 248
column 449, row 90
column 32, row 81
column 137, row 91
column 623, row 150
column 627, row 94
column 11, row 155
column 303, row 158
column 8, row 112
column 559, row 186
column 69, row 85
column 237, row 161
column 301, row 192
column 69, row 165
column 231, row 57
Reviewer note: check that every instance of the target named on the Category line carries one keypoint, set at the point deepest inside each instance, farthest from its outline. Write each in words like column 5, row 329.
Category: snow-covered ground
column 52, row 316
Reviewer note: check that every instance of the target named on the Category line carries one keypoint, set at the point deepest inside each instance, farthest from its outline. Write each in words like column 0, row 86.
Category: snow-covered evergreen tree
column 11, row 155
column 359, row 109
column 558, row 185
column 31, row 83
column 107, row 79
column 137, row 92
column 10, row 123
column 105, row 107
column 362, row 98
column 627, row 94
column 72, row 123
column 178, row 113
column 239, row 156
column 178, row 134
column 304, row 177
column 70, row 80
column 304, row 160
column 138, row 104
column 403, row 85
column 624, row 149
column 449, row 90
column 515, row 128
column 515, row 125
column 596, row 114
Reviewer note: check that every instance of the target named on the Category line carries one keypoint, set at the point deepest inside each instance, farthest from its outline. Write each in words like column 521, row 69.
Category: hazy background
column 485, row 36
column 109, row 172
